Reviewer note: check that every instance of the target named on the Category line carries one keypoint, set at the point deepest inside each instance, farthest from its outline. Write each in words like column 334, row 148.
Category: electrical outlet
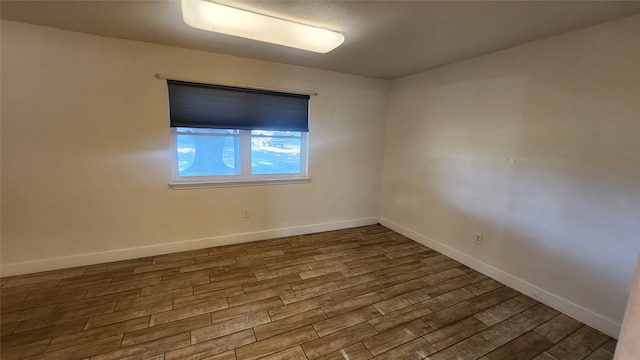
column 246, row 213
column 478, row 239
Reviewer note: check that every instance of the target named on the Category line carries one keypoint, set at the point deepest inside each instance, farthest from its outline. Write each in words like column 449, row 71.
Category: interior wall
column 86, row 160
column 536, row 148
column 628, row 347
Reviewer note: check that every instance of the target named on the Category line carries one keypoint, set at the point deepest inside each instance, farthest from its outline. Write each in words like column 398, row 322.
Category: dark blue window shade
column 224, row 107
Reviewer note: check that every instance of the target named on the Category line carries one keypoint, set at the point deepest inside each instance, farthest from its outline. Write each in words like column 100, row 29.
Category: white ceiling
column 384, row 39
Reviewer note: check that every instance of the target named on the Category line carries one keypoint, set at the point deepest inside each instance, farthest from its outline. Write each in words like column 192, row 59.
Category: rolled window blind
column 224, row 107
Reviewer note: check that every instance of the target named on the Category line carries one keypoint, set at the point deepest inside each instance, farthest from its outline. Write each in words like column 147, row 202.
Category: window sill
column 210, row 184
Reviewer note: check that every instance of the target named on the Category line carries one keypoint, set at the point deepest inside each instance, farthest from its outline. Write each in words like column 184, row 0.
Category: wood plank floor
column 362, row 293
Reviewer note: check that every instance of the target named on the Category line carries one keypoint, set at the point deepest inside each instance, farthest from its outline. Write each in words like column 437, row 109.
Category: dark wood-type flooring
column 362, row 293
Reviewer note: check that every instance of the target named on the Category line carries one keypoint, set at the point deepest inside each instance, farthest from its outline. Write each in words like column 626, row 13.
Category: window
column 222, row 134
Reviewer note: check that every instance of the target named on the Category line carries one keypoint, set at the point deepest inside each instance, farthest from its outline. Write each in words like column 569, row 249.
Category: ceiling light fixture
column 206, row 15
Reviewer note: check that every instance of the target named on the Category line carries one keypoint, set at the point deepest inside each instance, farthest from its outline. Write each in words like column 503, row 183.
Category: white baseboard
column 581, row 314
column 586, row 316
column 166, row 248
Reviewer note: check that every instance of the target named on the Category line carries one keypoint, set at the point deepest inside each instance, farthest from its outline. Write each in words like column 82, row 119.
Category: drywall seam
column 166, row 248
column 581, row 314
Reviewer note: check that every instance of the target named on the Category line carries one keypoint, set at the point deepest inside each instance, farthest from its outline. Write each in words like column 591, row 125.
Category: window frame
column 239, row 108
column 245, row 177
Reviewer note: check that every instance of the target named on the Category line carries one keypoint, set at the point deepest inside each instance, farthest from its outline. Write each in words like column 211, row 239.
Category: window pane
column 201, row 155
column 273, row 155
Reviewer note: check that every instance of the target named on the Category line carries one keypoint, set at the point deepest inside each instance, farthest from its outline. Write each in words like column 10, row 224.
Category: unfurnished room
column 302, row 180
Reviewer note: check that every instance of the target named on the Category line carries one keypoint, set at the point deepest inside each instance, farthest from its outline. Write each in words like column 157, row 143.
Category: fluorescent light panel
column 206, row 15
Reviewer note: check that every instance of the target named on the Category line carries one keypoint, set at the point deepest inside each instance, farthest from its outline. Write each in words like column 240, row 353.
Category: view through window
column 219, row 152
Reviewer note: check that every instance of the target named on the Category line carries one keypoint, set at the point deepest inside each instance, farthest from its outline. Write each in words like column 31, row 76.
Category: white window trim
column 245, row 178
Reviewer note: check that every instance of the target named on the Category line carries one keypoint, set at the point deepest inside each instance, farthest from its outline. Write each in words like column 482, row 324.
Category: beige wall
column 86, row 162
column 628, row 345
column 537, row 148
